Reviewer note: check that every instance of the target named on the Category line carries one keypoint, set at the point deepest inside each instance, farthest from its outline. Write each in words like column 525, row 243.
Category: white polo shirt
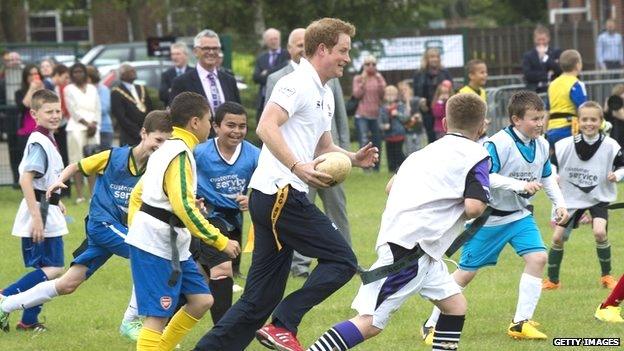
column 310, row 108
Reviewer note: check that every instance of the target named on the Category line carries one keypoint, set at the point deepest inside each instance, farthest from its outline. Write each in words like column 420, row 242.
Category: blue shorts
column 150, row 273
column 48, row 253
column 556, row 134
column 484, row 248
column 103, row 241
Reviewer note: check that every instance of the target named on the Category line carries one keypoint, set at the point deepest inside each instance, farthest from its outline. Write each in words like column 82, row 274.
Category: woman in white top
column 83, row 104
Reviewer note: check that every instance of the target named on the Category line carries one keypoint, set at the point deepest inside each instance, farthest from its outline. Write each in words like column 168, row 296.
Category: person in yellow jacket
column 162, row 219
column 477, row 77
column 565, row 95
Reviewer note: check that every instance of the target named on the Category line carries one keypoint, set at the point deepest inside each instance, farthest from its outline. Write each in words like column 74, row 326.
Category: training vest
column 112, row 189
column 514, row 164
column 146, row 232
column 426, row 202
column 55, row 223
column 584, row 183
column 219, row 182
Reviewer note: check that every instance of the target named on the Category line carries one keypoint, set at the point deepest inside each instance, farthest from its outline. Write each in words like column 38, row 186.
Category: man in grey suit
column 334, row 199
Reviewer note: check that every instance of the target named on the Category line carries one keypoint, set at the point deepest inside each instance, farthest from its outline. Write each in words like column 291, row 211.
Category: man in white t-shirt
column 295, row 128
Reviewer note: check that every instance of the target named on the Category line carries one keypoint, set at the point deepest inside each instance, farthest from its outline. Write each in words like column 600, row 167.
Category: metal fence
column 597, row 90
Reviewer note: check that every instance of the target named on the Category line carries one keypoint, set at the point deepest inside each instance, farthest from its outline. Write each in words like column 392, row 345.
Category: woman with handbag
column 83, row 104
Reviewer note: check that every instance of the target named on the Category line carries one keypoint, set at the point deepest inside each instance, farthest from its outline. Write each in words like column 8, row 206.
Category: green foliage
column 89, row 318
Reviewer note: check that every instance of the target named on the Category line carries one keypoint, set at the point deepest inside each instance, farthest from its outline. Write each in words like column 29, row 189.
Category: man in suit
column 179, row 57
column 334, row 199
column 268, row 62
column 206, row 79
column 130, row 103
column 540, row 65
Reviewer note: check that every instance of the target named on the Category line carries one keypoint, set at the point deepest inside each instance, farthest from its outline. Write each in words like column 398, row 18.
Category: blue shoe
column 131, row 329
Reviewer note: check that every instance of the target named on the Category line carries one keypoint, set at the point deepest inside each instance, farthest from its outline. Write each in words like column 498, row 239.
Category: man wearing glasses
column 216, row 85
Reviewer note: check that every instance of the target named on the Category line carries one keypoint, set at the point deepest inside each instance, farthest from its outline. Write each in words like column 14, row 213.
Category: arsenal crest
column 165, row 302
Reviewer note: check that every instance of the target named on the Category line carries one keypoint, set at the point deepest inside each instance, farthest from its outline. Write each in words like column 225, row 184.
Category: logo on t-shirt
column 287, row 91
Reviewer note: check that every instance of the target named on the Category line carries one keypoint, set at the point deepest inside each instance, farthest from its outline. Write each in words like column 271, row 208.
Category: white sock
column 529, row 293
column 433, row 319
column 132, row 313
column 37, row 295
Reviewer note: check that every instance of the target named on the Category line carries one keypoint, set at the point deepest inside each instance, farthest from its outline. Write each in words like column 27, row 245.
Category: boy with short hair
column 477, row 77
column 426, row 209
column 520, row 168
column 118, row 170
column 565, row 95
column 162, row 266
column 224, row 167
column 40, row 222
column 589, row 165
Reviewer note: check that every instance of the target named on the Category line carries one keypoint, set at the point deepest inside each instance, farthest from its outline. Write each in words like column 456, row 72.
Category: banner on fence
column 406, row 53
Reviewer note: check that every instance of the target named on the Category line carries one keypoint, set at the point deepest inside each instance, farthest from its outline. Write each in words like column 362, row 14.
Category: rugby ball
column 336, row 164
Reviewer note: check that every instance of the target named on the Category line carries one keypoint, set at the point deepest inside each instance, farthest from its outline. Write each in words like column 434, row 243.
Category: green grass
column 88, row 319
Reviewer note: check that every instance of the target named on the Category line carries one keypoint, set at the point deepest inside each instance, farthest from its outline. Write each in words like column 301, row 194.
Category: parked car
column 114, row 54
column 148, row 74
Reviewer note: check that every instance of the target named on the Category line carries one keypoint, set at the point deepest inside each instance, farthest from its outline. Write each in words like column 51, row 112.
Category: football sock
column 179, row 325
column 340, row 337
column 148, row 340
column 616, row 296
column 132, row 312
column 603, row 250
column 447, row 332
column 555, row 256
column 433, row 319
column 529, row 293
column 222, row 292
column 25, row 282
column 30, row 315
column 37, row 295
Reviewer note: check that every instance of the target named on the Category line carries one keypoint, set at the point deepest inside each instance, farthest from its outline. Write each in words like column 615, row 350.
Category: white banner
column 406, row 53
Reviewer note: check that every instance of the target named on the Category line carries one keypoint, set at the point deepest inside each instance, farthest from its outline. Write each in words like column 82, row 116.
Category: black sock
column 447, row 332
column 222, row 293
column 603, row 250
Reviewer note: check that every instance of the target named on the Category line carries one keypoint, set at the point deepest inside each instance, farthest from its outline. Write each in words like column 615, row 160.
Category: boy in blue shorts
column 224, row 167
column 118, row 170
column 565, row 95
column 39, row 222
column 162, row 266
column 520, row 168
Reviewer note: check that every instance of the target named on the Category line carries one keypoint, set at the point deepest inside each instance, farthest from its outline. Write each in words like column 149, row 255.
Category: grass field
column 88, row 319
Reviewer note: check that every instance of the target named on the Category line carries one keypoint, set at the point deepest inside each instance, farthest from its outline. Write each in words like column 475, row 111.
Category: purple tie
column 215, row 100
column 272, row 55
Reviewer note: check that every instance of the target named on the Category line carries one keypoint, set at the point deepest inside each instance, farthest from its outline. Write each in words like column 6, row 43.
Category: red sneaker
column 277, row 338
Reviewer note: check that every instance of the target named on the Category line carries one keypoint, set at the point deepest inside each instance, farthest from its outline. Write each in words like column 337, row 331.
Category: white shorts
column 429, row 278
column 76, row 141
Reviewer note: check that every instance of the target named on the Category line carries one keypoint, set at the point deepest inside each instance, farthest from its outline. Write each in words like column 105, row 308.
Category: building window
column 59, row 26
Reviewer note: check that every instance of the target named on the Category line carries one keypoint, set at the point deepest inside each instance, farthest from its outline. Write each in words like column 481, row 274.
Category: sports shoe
column 609, row 314
column 608, row 282
column 276, row 338
column 427, row 334
column 131, row 329
column 4, row 317
column 549, row 285
column 525, row 330
column 37, row 327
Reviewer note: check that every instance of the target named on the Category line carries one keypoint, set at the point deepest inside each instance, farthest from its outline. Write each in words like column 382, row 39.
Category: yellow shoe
column 609, row 314
column 548, row 285
column 608, row 282
column 525, row 330
column 427, row 334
